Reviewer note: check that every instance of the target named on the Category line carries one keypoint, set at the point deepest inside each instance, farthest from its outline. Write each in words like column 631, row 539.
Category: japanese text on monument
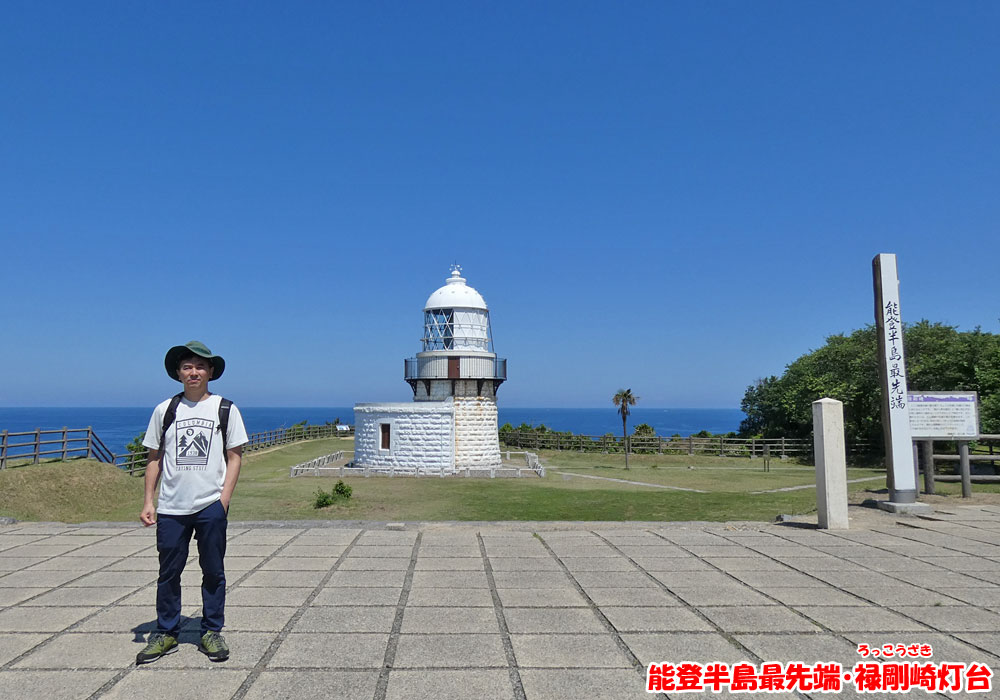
column 894, row 358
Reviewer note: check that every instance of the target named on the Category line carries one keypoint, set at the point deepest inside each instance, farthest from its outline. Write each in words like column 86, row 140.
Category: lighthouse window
column 385, row 428
column 439, row 329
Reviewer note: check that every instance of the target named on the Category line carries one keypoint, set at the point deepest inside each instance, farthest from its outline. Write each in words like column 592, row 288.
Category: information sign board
column 943, row 415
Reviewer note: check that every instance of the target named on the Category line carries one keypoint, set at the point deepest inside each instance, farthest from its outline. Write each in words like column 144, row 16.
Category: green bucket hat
column 194, row 347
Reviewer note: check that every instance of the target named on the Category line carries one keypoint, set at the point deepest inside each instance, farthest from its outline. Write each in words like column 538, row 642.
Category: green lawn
column 81, row 490
column 704, row 473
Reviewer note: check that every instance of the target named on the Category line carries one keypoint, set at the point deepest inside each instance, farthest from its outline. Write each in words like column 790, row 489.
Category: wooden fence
column 984, row 450
column 655, row 444
column 31, row 447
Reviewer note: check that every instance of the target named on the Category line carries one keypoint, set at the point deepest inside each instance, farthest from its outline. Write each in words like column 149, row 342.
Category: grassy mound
column 70, row 492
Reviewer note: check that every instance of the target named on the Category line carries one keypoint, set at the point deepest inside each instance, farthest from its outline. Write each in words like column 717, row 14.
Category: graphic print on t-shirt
column 194, row 441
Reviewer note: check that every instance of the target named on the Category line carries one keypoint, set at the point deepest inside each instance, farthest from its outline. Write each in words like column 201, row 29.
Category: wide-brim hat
column 194, row 347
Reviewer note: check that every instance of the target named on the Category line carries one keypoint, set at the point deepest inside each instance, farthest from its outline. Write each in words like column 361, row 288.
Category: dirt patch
column 981, row 498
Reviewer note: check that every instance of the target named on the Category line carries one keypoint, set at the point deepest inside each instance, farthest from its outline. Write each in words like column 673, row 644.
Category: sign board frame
column 922, row 399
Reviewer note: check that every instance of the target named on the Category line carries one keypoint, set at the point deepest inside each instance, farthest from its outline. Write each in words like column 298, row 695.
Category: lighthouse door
column 453, row 368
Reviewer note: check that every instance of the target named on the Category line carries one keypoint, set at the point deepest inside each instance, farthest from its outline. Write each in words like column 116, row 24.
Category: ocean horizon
column 117, row 426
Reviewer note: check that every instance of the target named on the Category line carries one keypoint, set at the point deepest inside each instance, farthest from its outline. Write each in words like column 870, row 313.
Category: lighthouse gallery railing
column 469, row 367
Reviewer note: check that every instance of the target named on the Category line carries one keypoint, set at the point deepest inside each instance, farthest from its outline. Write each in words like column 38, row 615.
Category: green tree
column 624, row 400
column 644, row 430
column 938, row 358
column 139, row 452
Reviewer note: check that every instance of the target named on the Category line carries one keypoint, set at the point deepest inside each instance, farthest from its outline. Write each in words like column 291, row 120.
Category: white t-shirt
column 193, row 464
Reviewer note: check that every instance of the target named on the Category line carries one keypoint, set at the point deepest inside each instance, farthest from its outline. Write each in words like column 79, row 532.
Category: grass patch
column 704, row 473
column 83, row 490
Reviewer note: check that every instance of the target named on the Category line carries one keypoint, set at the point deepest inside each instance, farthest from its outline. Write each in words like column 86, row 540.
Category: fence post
column 928, row 450
column 3, row 450
column 783, row 447
column 38, row 444
column 963, row 461
column 690, row 445
column 753, row 448
column 65, row 429
column 90, row 442
column 721, row 452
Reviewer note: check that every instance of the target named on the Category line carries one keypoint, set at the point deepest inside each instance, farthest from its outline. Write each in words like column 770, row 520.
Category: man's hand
column 234, row 460
column 148, row 515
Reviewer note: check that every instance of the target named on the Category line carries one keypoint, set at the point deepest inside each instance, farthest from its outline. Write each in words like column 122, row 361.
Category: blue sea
column 117, row 426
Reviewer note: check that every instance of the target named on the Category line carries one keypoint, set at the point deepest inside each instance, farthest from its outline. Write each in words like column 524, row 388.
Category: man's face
column 195, row 372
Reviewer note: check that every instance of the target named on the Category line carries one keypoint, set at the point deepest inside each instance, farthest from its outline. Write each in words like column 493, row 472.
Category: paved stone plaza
column 502, row 610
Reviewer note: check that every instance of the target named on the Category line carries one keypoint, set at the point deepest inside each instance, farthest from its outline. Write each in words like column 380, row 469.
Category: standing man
column 197, row 461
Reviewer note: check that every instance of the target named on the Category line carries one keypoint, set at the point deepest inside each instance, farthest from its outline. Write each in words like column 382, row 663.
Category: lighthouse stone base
column 421, row 436
column 427, row 437
column 477, row 445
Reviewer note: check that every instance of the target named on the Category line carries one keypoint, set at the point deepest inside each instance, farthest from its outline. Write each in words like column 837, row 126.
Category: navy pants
column 173, row 536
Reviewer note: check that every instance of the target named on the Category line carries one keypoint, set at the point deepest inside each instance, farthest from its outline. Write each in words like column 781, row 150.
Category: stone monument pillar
column 831, row 464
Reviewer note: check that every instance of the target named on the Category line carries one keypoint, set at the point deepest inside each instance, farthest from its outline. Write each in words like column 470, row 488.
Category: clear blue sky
column 677, row 197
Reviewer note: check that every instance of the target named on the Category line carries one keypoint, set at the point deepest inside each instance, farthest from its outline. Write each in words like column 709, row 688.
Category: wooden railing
column 19, row 449
column 283, row 436
column 318, row 465
column 32, row 446
column 655, row 444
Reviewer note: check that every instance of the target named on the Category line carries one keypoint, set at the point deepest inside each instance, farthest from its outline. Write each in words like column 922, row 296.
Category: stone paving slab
column 295, row 685
column 323, row 650
column 450, row 685
column 522, row 611
column 577, row 684
column 455, row 650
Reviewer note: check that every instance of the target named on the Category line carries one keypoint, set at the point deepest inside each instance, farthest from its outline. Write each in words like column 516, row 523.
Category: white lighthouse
column 451, row 426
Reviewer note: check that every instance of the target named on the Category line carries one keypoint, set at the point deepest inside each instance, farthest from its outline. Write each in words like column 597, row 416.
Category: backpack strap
column 224, row 407
column 168, row 419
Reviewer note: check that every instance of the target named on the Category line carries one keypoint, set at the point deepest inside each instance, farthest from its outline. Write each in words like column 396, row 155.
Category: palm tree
column 623, row 400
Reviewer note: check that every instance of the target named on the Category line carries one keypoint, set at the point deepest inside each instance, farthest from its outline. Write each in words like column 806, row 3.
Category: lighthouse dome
column 455, row 294
column 456, row 318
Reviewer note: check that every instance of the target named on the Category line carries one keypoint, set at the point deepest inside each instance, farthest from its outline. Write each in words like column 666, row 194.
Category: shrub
column 340, row 492
column 323, row 499
column 343, row 490
column 298, row 430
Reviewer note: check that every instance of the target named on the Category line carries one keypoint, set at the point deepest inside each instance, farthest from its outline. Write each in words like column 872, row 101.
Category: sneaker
column 159, row 645
column 214, row 646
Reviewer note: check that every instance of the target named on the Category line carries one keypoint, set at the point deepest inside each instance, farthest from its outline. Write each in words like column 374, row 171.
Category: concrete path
column 812, row 486
column 631, row 483
column 501, row 610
